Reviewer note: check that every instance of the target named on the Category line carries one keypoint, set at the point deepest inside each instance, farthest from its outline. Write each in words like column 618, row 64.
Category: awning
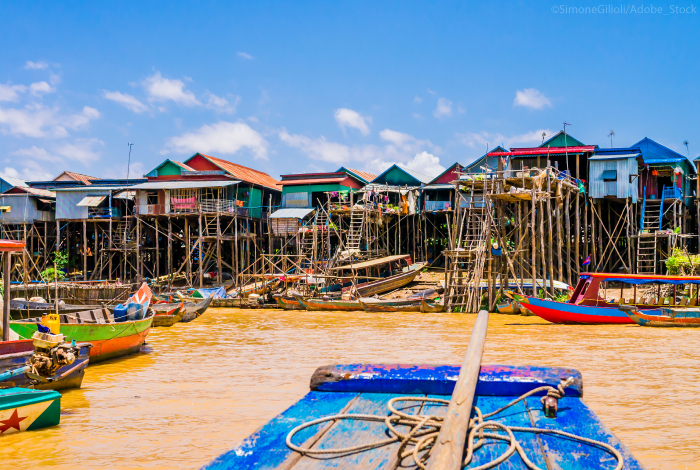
column 5, row 208
column 91, row 201
column 370, row 263
column 291, row 213
column 613, row 156
column 47, row 201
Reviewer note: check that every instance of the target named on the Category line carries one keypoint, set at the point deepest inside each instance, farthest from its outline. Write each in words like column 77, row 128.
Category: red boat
column 587, row 305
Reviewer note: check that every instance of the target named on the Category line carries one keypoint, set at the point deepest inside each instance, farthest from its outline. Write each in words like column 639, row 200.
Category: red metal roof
column 244, row 173
column 363, row 174
column 77, row 176
column 544, row 151
column 312, row 181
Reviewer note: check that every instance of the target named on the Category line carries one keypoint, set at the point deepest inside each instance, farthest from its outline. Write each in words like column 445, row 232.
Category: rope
column 424, row 430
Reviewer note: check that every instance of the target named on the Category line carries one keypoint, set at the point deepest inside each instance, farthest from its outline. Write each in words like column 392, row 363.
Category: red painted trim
column 11, row 245
column 544, row 151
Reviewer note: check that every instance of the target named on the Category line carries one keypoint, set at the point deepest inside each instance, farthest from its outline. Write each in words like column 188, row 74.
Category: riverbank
column 177, row 406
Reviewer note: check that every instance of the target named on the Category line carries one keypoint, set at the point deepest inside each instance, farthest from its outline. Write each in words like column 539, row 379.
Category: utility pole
column 612, row 133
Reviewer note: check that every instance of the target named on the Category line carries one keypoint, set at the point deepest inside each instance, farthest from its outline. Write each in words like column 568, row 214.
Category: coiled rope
column 424, row 430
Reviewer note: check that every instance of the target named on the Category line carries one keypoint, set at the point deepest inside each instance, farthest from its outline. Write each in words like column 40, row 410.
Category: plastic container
column 52, row 322
column 120, row 312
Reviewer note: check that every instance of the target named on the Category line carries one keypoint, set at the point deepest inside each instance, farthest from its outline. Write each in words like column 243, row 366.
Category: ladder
column 646, row 243
column 357, row 223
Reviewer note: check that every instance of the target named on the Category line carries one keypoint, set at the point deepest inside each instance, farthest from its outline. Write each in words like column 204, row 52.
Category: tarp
column 91, row 201
column 214, row 293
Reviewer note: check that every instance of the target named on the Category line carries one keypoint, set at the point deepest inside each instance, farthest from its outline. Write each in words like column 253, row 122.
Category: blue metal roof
column 655, row 154
column 613, row 156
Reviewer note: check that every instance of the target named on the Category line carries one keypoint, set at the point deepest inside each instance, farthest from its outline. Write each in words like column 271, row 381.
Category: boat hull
column 14, row 354
column 385, row 285
column 367, row 388
column 389, row 306
column 431, row 307
column 289, row 303
column 664, row 321
column 330, row 305
column 26, row 410
column 558, row 312
column 109, row 340
column 168, row 319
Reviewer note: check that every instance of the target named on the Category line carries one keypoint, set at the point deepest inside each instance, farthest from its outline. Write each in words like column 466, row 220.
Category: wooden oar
column 449, row 447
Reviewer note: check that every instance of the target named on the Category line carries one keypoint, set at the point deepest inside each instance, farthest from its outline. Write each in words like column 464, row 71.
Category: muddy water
column 200, row 388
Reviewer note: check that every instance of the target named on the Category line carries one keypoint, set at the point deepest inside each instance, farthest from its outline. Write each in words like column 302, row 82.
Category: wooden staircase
column 646, row 243
column 357, row 223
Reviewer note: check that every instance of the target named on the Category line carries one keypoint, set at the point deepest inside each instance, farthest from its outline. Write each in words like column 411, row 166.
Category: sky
column 303, row 86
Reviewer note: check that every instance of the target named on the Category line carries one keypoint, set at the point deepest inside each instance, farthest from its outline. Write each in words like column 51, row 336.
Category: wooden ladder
column 357, row 223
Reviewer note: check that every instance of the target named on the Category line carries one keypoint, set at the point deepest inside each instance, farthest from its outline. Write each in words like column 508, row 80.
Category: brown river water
column 200, row 388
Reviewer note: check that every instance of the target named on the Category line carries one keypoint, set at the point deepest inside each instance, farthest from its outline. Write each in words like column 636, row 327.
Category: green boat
column 109, row 339
column 23, row 409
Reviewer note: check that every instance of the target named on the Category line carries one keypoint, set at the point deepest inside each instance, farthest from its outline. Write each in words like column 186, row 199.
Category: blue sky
column 289, row 87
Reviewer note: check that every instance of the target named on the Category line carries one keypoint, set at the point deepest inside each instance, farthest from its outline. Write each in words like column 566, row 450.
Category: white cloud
column 222, row 137
column 38, row 88
column 417, row 99
column 318, row 149
column 36, row 120
column 11, row 92
column 425, row 163
column 481, row 139
column 404, row 141
column 417, row 116
column 245, row 55
column 444, row 108
column 36, row 153
column 29, row 171
column 531, row 98
column 82, row 150
column 348, row 118
column 221, row 104
column 36, row 65
column 164, row 89
column 460, row 109
column 431, row 91
column 136, row 170
column 126, row 100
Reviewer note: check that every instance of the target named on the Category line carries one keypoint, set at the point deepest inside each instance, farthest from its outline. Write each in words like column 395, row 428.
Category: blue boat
column 367, row 389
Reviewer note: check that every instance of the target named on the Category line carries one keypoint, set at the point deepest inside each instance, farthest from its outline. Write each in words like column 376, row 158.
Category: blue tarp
column 215, row 293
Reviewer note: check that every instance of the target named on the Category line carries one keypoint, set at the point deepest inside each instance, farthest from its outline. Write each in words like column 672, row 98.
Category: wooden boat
column 587, row 306
column 169, row 317
column 16, row 354
column 508, row 308
column 136, row 306
column 669, row 317
column 396, row 305
column 367, row 388
column 257, row 288
column 288, row 303
column 228, row 303
column 23, row 409
column 329, row 305
column 387, row 284
column 109, row 338
column 432, row 307
column 24, row 309
column 195, row 310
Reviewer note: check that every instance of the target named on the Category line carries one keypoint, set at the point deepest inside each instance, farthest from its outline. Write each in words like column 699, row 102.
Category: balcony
column 672, row 192
column 150, row 209
column 433, row 206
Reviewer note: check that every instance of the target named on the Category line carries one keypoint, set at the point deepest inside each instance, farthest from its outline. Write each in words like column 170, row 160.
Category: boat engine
column 51, row 352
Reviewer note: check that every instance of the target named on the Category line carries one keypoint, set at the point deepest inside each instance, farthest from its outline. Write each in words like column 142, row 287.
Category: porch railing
column 672, row 192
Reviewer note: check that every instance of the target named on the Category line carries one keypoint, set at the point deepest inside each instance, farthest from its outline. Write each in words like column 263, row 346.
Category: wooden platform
column 367, row 389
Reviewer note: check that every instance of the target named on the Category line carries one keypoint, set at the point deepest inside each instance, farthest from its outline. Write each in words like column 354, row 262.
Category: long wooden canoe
column 670, row 317
column 109, row 339
column 289, row 303
column 403, row 305
column 329, row 305
column 387, row 284
column 170, row 317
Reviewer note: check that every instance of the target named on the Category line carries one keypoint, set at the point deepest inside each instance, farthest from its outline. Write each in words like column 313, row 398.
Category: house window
column 153, row 198
column 610, row 175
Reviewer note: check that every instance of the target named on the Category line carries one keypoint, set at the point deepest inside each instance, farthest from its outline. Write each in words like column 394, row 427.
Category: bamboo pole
column 550, row 260
column 533, row 241
column 85, row 250
column 449, row 446
column 199, row 246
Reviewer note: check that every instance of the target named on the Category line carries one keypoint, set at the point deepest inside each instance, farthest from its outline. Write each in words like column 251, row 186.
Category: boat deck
column 367, row 389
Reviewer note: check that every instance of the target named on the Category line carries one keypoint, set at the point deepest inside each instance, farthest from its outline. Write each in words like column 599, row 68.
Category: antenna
column 128, row 167
column 567, row 151
column 685, row 142
column 544, row 134
column 612, row 133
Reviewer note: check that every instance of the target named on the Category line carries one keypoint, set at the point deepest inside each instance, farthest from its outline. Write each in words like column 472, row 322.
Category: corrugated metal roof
column 291, row 213
column 613, row 156
column 14, row 181
column 439, row 186
column 184, row 184
column 40, row 192
column 244, row 173
column 90, row 188
column 91, row 201
column 362, row 174
column 655, row 160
